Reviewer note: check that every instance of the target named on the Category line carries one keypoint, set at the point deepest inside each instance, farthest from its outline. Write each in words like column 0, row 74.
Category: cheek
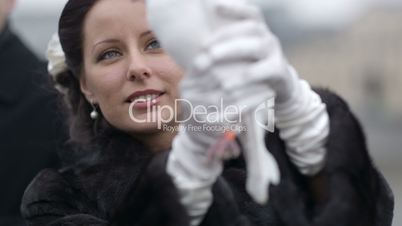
column 170, row 73
column 175, row 79
column 106, row 81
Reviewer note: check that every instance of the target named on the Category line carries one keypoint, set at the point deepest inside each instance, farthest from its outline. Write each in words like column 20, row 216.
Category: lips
column 145, row 98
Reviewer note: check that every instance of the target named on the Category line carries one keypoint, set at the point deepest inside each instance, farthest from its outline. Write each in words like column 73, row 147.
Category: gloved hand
column 234, row 49
column 257, row 73
column 301, row 116
column 203, row 18
column 189, row 162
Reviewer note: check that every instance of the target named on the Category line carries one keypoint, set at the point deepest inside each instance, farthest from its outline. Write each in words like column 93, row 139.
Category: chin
column 145, row 128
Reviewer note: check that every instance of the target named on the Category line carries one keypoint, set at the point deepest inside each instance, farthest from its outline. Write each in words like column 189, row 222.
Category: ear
column 89, row 95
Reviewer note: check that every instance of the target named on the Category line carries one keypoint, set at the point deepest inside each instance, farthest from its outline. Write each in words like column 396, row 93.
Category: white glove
column 203, row 90
column 184, row 165
column 303, row 123
column 301, row 116
column 233, row 50
column 190, row 163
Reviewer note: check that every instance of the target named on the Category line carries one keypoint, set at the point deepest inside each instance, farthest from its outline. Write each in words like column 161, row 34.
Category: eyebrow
column 146, row 33
column 104, row 41
column 116, row 40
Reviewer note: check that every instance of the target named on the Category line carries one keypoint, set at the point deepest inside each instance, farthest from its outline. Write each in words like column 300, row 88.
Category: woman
column 122, row 172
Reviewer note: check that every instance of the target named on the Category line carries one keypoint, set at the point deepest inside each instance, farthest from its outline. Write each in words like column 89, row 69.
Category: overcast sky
column 307, row 12
column 36, row 20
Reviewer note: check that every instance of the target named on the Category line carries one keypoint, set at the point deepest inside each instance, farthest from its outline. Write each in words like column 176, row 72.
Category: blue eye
column 154, row 44
column 109, row 55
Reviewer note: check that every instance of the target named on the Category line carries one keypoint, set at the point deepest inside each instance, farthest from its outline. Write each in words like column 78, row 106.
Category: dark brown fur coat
column 122, row 184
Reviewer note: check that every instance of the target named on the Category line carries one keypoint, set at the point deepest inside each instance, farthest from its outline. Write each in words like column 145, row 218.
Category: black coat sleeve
column 91, row 198
column 351, row 190
column 224, row 210
column 50, row 200
column 151, row 199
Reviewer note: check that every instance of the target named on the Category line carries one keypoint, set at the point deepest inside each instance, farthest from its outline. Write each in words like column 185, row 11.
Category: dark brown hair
column 82, row 127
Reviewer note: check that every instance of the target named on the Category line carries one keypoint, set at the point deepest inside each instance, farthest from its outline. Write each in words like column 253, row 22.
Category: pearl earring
column 94, row 113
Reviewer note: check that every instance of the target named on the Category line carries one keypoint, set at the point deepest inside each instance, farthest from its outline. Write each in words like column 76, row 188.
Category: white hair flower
column 56, row 60
column 55, row 55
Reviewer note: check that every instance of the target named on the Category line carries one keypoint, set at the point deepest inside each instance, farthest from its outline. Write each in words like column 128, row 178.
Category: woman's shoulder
column 347, row 146
column 331, row 98
column 95, row 183
column 49, row 193
column 46, row 180
column 47, row 184
column 121, row 191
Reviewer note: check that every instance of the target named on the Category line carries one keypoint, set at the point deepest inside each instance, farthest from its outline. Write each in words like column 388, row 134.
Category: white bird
column 182, row 26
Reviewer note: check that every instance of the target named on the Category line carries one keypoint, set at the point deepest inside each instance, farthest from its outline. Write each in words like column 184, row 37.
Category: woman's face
column 124, row 67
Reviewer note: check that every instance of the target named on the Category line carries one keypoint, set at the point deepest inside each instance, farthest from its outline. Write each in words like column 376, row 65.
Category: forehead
column 111, row 16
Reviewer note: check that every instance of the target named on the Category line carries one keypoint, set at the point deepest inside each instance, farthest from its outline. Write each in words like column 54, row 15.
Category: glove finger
column 202, row 64
column 206, row 81
column 238, row 50
column 271, row 69
column 241, row 28
column 195, row 97
column 250, row 96
column 238, row 10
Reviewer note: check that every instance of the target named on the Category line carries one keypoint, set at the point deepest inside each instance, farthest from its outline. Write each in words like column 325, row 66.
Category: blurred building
column 361, row 62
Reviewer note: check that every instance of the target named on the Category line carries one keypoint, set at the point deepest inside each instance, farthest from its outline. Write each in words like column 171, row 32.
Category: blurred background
column 353, row 47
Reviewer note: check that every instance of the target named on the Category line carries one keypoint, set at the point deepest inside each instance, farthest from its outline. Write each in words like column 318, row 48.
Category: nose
column 138, row 68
